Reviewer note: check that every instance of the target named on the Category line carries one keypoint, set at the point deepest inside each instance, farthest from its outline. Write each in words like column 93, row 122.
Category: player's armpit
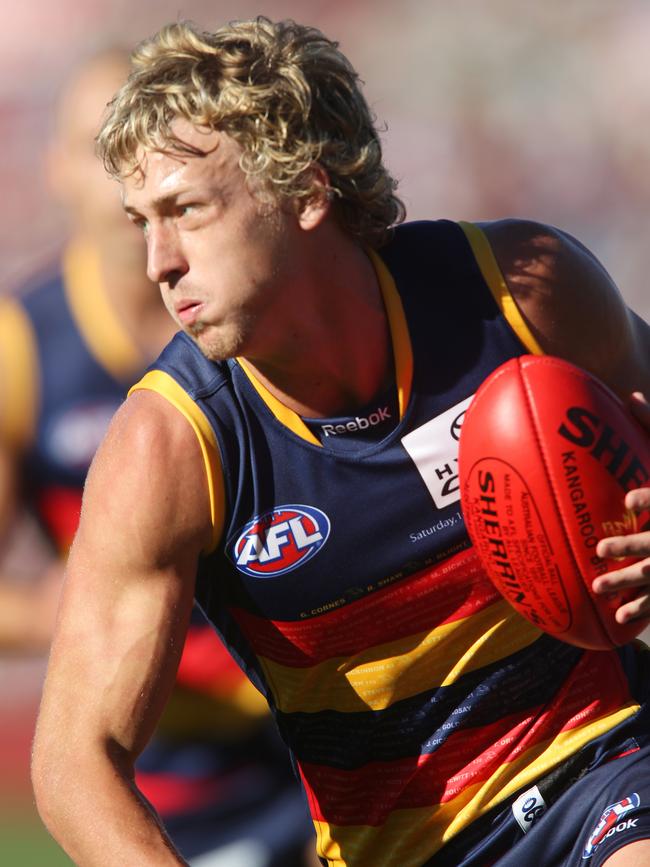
column 123, row 616
column 571, row 304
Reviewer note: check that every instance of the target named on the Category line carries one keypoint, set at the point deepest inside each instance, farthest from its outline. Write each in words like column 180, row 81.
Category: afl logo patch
column 279, row 541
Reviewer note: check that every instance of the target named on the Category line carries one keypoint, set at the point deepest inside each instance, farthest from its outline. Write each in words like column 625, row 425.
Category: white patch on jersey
column 433, row 448
column 528, row 808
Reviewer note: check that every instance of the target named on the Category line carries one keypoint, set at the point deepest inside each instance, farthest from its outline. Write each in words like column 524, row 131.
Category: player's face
column 79, row 180
column 220, row 255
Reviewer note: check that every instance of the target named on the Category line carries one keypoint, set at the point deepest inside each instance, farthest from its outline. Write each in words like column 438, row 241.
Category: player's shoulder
column 421, row 235
column 542, row 263
column 542, row 243
column 147, row 426
column 569, row 300
column 150, row 465
column 147, row 440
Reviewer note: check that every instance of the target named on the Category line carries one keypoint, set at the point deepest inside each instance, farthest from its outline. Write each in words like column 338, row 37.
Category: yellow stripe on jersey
column 19, row 376
column 376, row 678
column 162, row 383
column 411, row 836
column 498, row 286
column 402, row 353
column 287, row 416
column 103, row 333
column 533, row 764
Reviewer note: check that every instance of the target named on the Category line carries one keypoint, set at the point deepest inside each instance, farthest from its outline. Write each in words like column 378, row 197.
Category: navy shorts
column 602, row 809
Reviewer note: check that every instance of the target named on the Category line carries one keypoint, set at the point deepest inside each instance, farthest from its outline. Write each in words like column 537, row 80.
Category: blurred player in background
column 71, row 343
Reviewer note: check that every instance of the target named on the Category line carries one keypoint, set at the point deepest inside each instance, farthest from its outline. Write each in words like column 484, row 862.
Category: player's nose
column 165, row 259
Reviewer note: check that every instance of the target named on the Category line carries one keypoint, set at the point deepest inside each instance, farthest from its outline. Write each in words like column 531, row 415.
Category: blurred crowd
column 489, row 108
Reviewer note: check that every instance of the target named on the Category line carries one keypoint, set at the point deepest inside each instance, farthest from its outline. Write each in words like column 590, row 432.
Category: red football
column 547, row 453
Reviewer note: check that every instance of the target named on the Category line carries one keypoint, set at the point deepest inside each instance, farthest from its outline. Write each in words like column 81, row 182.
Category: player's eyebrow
column 160, row 204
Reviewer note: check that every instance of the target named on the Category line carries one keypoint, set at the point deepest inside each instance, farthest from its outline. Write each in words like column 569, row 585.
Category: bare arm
column 571, row 304
column 575, row 311
column 122, row 621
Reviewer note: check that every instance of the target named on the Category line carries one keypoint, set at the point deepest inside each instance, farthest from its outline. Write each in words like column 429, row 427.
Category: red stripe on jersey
column 367, row 795
column 418, row 603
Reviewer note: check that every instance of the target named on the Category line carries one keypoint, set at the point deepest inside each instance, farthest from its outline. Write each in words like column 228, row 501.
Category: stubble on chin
column 218, row 344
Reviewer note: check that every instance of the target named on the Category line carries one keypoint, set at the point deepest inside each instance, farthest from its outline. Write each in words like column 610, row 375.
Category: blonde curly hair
column 283, row 91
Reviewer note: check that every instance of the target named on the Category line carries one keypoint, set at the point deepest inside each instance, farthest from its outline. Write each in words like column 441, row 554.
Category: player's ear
column 313, row 209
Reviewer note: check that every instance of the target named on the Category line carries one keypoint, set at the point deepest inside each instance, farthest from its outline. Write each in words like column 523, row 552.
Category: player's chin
column 214, row 345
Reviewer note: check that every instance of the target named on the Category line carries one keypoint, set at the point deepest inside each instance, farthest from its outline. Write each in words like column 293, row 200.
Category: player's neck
column 338, row 352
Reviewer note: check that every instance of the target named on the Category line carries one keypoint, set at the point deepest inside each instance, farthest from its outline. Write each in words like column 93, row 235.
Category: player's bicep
column 130, row 579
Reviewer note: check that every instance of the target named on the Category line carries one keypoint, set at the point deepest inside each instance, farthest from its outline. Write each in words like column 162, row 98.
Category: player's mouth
column 187, row 310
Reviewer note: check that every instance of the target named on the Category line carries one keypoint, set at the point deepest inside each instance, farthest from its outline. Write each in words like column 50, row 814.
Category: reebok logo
column 358, row 423
column 612, row 822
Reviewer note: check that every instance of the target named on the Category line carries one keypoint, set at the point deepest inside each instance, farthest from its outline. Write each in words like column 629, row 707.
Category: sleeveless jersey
column 67, row 364
column 414, row 700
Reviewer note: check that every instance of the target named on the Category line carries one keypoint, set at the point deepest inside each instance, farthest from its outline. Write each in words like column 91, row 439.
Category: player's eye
column 140, row 222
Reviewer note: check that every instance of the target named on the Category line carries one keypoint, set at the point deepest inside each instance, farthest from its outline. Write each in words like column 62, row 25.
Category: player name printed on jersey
column 433, row 448
column 279, row 540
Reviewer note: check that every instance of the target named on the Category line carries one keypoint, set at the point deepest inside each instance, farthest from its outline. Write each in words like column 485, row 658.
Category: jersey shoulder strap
column 495, row 280
column 164, row 384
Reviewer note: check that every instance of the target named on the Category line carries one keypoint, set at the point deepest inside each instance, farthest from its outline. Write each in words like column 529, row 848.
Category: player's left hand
column 637, row 545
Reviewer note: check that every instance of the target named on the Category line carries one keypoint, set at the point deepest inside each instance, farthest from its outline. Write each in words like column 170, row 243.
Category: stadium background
column 489, row 108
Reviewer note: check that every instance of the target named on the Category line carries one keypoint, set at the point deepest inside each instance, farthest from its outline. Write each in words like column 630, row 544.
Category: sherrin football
column 547, row 453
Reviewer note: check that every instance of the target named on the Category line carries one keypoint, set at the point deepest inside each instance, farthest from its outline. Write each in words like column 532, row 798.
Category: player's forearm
column 94, row 812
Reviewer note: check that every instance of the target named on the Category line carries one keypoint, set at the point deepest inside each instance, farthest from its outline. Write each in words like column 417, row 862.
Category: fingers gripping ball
column 547, row 453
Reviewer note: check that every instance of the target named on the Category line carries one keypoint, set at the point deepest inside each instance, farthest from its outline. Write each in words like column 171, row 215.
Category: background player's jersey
column 215, row 770
column 413, row 698
column 67, row 363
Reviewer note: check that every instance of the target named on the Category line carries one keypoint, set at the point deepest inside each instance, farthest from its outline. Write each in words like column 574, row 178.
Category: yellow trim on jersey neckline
column 401, row 339
column 165, row 385
column 286, row 416
column 104, row 335
column 494, row 278
column 20, row 389
column 402, row 354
